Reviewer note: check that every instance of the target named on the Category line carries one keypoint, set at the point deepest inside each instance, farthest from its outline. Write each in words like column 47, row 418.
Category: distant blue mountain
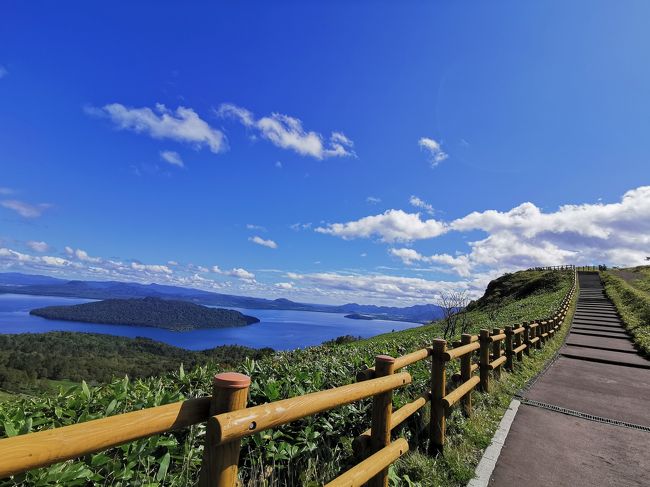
column 18, row 279
column 18, row 283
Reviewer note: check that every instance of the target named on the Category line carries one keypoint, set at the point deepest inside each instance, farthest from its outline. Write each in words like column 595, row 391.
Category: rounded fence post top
column 385, row 358
column 231, row 380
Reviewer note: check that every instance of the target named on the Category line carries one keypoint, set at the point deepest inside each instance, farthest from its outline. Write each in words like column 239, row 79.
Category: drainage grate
column 579, row 414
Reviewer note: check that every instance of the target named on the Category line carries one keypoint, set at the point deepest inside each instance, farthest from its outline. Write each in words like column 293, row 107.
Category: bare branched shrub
column 455, row 317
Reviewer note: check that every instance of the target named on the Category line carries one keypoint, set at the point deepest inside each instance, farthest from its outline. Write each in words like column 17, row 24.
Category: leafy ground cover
column 310, row 451
column 629, row 290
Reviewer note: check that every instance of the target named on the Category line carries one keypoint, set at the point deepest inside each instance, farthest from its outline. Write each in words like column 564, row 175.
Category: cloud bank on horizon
column 615, row 233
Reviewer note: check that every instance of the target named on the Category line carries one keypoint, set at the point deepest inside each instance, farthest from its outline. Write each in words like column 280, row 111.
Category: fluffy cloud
column 420, row 203
column 390, row 226
column 38, row 262
column 237, row 272
column 81, row 255
column 264, row 243
column 155, row 268
column 284, row 285
column 38, row 246
column 182, row 125
column 382, row 287
column 240, row 273
column 460, row 264
column 433, row 149
column 524, row 236
column 79, row 264
column 288, row 133
column 174, row 158
column 25, row 210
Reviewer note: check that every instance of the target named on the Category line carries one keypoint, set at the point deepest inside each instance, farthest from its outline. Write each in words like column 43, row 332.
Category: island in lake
column 358, row 316
column 159, row 313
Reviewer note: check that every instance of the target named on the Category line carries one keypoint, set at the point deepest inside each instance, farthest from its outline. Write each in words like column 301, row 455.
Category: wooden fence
column 229, row 420
column 588, row 268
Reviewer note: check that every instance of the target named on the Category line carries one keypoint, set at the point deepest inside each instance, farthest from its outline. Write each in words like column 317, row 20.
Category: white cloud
column 390, row 226
column 237, row 272
column 278, row 164
column 36, row 261
column 26, row 210
column 300, row 226
column 251, row 226
column 525, row 236
column 81, row 255
column 172, row 157
column 373, row 200
column 155, row 268
column 55, row 261
column 284, row 285
column 381, row 286
column 265, row 243
column 172, row 262
column 240, row 273
column 37, row 246
column 460, row 264
column 183, row 125
column 420, row 203
column 288, row 133
column 434, row 150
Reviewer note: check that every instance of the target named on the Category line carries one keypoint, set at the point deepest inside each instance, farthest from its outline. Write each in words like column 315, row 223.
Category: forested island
column 155, row 312
column 359, row 316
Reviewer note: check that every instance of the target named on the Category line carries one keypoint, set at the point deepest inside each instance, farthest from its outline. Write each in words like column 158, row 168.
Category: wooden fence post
column 496, row 352
column 382, row 409
column 484, row 362
column 520, row 355
column 219, row 466
column 509, row 361
column 438, row 390
column 466, row 374
column 526, row 326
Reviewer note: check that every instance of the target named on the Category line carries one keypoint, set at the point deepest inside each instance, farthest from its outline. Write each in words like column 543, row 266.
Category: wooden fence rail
column 228, row 419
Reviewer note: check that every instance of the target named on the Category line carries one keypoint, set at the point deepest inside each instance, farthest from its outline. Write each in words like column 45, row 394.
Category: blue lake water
column 278, row 329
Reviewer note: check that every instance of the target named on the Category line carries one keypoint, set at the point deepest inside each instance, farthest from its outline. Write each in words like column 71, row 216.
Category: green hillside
column 629, row 289
column 310, row 451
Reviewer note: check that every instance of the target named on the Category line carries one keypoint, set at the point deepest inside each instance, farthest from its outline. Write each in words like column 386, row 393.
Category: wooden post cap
column 231, row 380
column 385, row 359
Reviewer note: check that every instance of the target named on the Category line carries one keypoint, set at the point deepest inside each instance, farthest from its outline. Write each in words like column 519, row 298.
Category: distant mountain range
column 18, row 283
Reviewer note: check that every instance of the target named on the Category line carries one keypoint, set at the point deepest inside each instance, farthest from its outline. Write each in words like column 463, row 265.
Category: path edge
column 491, row 454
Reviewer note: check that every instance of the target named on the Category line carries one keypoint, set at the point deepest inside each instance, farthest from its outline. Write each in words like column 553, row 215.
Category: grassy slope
column 310, row 451
column 630, row 292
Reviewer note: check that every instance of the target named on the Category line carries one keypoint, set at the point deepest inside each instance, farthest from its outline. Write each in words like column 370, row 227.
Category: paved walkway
column 586, row 421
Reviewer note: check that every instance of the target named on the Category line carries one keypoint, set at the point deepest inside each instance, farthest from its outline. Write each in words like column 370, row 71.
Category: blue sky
column 323, row 151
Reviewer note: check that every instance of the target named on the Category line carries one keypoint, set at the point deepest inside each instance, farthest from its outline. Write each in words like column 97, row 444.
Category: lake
column 278, row 329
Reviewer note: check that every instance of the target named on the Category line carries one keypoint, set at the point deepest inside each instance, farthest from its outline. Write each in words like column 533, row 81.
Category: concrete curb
column 491, row 455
